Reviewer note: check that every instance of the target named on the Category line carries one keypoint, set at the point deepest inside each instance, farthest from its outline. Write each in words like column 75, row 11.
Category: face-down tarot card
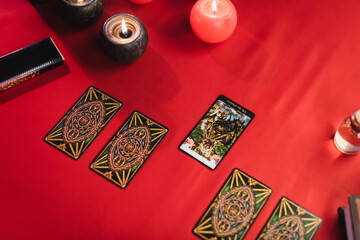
column 290, row 221
column 234, row 208
column 128, row 149
column 83, row 122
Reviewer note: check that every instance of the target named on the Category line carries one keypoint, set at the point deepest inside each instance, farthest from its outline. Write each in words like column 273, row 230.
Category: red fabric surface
column 295, row 64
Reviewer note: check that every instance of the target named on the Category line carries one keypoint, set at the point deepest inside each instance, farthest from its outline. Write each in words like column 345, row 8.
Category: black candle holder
column 39, row 1
column 81, row 12
column 124, row 47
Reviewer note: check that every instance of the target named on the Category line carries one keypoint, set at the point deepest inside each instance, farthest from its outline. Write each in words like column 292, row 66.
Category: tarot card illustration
column 83, row 122
column 290, row 221
column 234, row 208
column 128, row 149
column 216, row 132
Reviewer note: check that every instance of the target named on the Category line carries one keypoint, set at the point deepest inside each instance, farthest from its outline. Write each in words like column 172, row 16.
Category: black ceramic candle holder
column 81, row 12
column 39, row 1
column 124, row 48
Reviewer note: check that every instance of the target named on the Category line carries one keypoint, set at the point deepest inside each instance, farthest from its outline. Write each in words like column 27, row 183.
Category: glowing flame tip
column 213, row 6
column 123, row 27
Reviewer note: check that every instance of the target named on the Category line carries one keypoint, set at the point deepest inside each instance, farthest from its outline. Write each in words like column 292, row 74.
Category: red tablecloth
column 295, row 64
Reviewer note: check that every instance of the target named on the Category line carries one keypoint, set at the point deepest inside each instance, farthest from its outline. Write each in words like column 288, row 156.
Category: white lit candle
column 82, row 12
column 124, row 38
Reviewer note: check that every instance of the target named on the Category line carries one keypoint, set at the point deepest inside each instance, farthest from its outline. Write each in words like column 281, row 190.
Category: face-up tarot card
column 234, row 208
column 83, row 122
column 217, row 131
column 290, row 221
column 128, row 149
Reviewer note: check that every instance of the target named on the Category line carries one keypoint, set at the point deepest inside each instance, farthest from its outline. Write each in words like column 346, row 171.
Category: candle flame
column 123, row 27
column 213, row 6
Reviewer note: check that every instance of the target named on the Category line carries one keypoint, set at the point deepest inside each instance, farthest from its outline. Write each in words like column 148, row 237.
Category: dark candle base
column 39, row 1
column 82, row 15
column 128, row 52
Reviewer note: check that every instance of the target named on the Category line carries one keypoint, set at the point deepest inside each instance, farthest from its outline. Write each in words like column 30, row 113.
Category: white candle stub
column 78, row 2
column 357, row 116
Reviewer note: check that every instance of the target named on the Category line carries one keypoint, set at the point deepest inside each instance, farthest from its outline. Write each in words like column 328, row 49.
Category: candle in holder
column 124, row 38
column 140, row 1
column 82, row 12
column 213, row 21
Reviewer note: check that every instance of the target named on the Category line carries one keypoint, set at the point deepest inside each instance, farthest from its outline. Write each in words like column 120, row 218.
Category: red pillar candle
column 140, row 1
column 213, row 21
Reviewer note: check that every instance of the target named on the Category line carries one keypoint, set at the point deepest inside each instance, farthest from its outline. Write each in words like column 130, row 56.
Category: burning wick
column 124, row 31
column 213, row 6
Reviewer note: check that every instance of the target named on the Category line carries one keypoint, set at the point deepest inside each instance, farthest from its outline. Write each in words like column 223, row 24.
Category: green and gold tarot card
column 216, row 132
column 234, row 208
column 290, row 221
column 128, row 149
column 83, row 122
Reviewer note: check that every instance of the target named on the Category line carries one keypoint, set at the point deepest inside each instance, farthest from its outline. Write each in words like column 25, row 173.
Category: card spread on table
column 290, row 221
column 83, row 122
column 217, row 131
column 234, row 208
column 128, row 149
